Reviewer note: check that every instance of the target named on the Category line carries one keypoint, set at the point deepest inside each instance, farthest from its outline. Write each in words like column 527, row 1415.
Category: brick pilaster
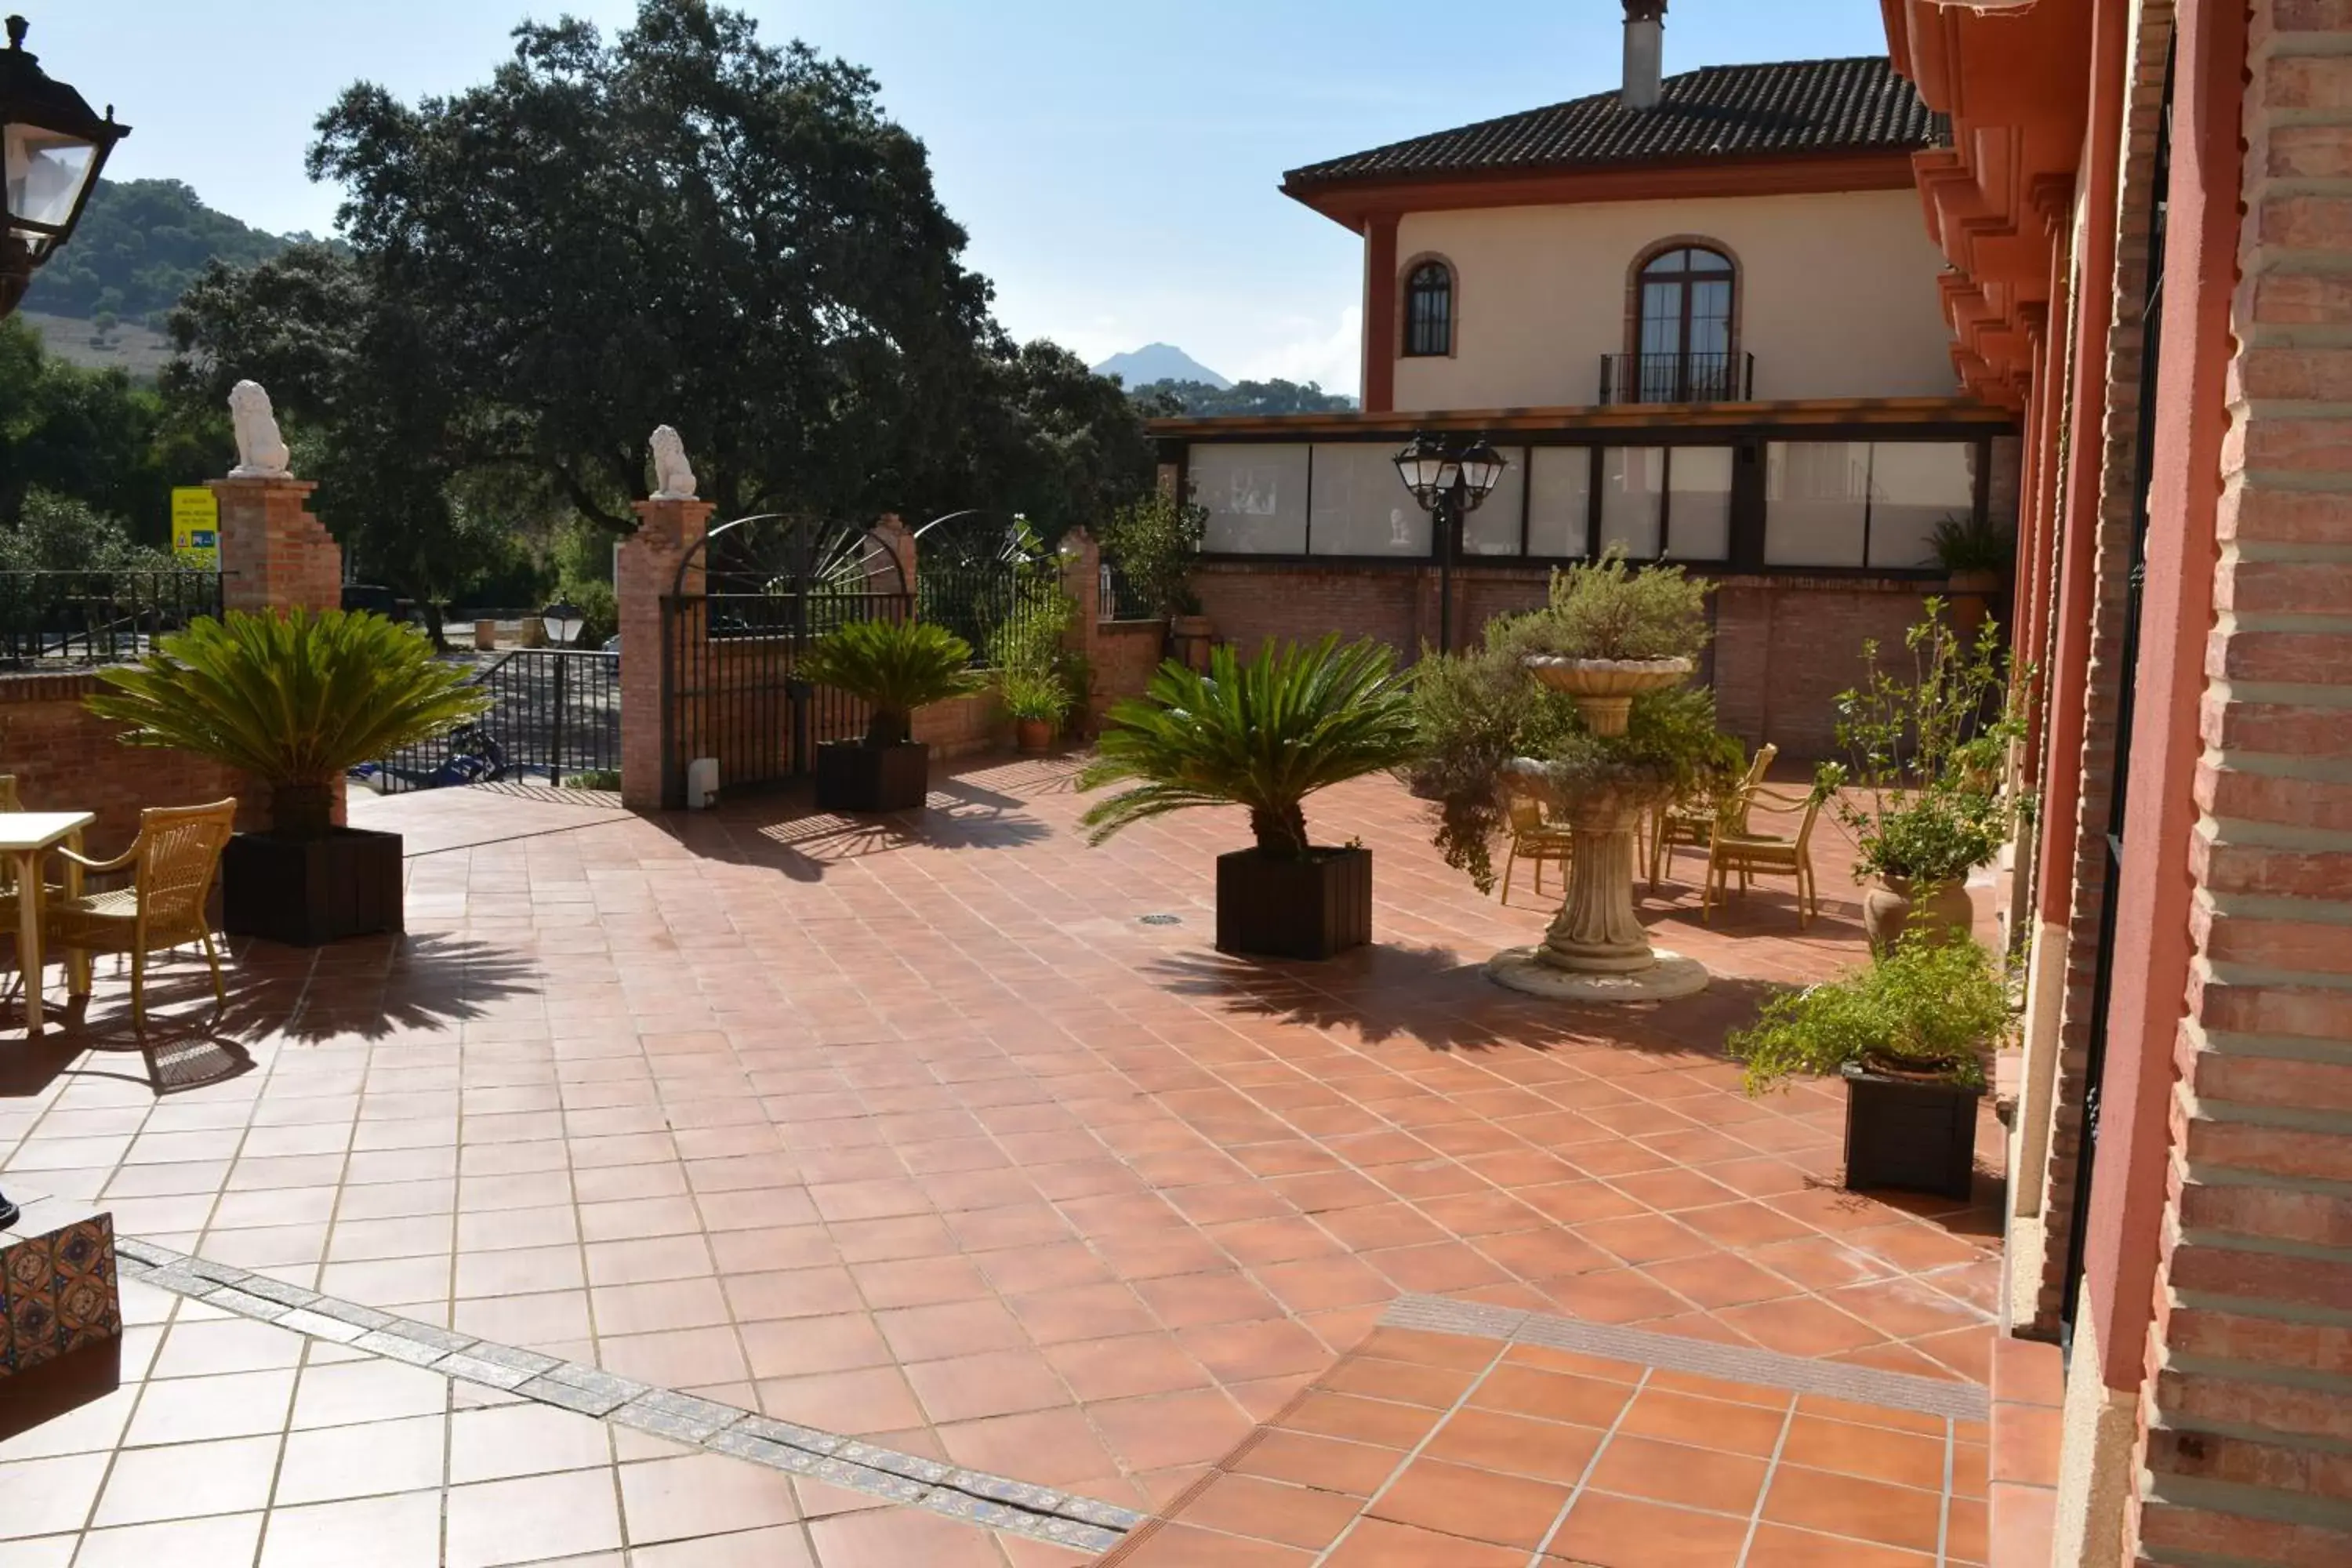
column 2081, row 840
column 274, row 554
column 2246, row 1443
column 645, row 572
column 1081, row 563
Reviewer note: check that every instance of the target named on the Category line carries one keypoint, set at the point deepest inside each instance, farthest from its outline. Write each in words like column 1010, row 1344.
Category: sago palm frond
column 296, row 699
column 1264, row 735
column 896, row 666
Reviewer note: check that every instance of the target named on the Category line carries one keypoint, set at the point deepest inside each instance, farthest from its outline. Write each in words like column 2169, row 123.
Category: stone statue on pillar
column 673, row 478
column 261, row 451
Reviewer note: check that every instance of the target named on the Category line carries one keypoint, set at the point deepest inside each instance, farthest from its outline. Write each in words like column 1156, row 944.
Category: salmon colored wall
column 2152, row 930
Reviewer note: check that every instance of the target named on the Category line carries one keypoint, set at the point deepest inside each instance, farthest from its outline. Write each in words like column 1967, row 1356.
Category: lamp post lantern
column 51, row 149
column 53, row 146
column 1451, row 476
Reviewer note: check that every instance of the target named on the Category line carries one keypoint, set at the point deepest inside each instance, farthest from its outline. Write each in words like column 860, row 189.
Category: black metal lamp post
column 51, row 147
column 54, row 148
column 564, row 623
column 1451, row 476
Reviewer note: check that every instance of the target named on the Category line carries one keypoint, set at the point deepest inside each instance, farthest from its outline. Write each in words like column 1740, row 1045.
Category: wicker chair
column 172, row 862
column 1734, row 848
column 1532, row 838
column 1689, row 824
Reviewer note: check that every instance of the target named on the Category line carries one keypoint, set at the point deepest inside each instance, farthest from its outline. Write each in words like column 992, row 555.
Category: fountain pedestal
column 1596, row 949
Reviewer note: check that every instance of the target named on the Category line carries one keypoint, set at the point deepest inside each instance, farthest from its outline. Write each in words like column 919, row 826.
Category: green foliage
column 296, row 699
column 895, row 665
column 139, row 246
column 1033, row 694
column 1264, row 735
column 1477, row 709
column 1963, row 544
column 1608, row 609
column 1048, row 438
column 96, row 437
column 1161, row 398
column 56, row 535
column 1155, row 540
column 1923, row 1008
column 1028, row 640
column 1920, row 792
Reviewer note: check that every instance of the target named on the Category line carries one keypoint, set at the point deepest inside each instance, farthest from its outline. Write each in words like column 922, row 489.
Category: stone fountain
column 1596, row 949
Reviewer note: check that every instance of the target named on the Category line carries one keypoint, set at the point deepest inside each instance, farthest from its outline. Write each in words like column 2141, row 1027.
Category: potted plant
column 895, row 667
column 296, row 700
column 1264, row 735
column 1909, row 1034
column 1154, row 542
column 1974, row 556
column 1578, row 704
column 1920, row 792
column 1037, row 702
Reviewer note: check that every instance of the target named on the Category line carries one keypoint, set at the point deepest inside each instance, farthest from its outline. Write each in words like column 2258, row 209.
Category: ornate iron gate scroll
column 747, row 602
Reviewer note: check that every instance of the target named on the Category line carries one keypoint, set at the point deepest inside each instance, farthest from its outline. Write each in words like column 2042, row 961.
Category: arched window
column 1683, row 333
column 1429, row 310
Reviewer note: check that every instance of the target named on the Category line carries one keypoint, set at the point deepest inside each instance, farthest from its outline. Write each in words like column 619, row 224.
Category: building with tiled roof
column 1699, row 317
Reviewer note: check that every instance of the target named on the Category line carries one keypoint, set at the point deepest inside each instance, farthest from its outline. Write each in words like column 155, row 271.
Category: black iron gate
column 747, row 602
column 555, row 718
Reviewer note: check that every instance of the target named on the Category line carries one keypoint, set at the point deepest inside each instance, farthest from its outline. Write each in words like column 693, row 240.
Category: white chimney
column 1645, row 27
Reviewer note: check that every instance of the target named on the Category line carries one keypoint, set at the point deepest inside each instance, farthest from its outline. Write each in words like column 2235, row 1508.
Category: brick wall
column 66, row 758
column 1784, row 646
column 1125, row 653
column 2246, row 1446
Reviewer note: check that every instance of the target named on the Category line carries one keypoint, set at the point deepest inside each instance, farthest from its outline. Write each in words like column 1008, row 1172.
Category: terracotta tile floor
column 1431, row 1448
column 915, row 1132
column 230, row 1442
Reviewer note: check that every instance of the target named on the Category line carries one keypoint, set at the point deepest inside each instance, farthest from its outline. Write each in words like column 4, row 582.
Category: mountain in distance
column 1159, row 362
column 139, row 246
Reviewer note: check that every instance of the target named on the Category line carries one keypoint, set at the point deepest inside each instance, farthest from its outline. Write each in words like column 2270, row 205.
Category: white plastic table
column 26, row 836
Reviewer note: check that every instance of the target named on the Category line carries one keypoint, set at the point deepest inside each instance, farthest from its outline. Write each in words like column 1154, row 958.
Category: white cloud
column 1331, row 357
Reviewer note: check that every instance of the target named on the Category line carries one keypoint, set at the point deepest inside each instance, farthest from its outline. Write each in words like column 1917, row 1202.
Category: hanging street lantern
column 54, row 147
column 1451, row 476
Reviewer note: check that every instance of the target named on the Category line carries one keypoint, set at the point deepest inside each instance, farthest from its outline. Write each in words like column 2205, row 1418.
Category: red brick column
column 2245, row 1448
column 892, row 533
column 645, row 572
column 274, row 554
column 1081, row 559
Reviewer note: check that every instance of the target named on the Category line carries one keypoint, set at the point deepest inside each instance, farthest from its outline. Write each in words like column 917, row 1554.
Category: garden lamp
column 1450, row 477
column 54, row 148
column 563, row 621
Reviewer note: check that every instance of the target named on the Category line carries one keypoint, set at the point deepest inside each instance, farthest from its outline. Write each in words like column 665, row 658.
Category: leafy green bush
column 1920, row 792
column 1155, row 541
column 57, row 533
column 296, row 699
column 1608, row 609
column 1933, row 1009
column 1264, row 735
column 1963, row 544
column 1033, row 694
column 896, row 666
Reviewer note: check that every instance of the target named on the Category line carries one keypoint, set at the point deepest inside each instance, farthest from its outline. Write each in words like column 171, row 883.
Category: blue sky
column 1115, row 163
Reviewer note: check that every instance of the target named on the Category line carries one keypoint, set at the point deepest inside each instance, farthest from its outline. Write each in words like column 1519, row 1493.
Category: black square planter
column 308, row 891
column 1916, row 1135
column 1272, row 907
column 854, row 776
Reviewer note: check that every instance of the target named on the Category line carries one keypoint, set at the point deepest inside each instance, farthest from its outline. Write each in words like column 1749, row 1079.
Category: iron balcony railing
column 97, row 617
column 1677, row 378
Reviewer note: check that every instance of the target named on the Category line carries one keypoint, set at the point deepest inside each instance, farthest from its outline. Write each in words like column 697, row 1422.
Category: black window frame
column 1428, row 334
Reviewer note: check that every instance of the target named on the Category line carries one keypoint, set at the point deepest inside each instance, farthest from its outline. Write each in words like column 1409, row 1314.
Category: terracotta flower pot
column 1034, row 736
column 1891, row 907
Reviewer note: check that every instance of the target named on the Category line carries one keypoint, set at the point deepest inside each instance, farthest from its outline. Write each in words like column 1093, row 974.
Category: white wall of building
column 1837, row 296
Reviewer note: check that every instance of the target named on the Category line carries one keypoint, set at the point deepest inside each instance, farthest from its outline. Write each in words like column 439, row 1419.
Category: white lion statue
column 260, row 450
column 673, row 480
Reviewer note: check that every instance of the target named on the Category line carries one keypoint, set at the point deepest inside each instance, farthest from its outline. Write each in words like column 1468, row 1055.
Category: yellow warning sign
column 195, row 528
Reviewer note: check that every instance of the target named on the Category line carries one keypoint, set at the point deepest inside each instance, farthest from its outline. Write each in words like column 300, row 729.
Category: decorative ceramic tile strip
column 1735, row 1363
column 996, row 1503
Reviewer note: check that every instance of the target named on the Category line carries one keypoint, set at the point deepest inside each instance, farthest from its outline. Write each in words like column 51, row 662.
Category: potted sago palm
column 1264, row 735
column 894, row 667
column 296, row 700
column 1909, row 1034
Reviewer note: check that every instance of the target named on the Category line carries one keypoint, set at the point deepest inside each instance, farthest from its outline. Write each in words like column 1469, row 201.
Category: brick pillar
column 1081, row 559
column 274, row 554
column 1743, row 662
column 645, row 573
column 2245, row 1450
column 892, row 533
